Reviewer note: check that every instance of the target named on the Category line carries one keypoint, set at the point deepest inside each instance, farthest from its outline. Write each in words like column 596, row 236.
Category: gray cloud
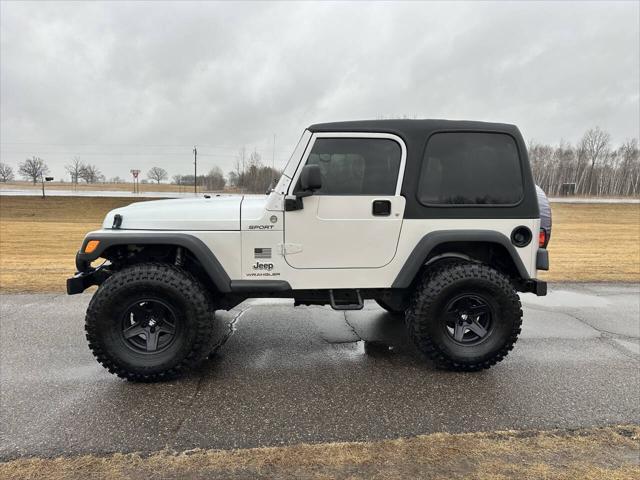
column 137, row 84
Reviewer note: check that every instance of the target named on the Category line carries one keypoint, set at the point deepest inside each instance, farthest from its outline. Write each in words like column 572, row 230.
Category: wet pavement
column 302, row 375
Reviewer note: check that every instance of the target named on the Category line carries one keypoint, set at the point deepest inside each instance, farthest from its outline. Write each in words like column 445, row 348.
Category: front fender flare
column 198, row 249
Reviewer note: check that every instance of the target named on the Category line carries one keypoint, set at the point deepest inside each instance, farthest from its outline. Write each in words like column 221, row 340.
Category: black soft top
column 415, row 134
column 406, row 128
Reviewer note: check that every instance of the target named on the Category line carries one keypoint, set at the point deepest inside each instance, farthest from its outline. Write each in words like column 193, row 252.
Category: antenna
column 273, row 160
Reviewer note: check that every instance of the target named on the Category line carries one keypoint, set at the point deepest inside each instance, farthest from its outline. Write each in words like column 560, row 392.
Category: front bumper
column 83, row 280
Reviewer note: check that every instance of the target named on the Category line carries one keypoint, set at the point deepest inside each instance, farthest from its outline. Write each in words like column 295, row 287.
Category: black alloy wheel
column 149, row 325
column 150, row 322
column 464, row 316
column 468, row 319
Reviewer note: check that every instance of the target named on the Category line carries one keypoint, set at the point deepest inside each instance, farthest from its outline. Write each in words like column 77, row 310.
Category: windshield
column 292, row 163
column 290, row 168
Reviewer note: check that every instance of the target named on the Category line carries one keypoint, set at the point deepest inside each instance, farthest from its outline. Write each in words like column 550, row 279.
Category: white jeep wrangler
column 437, row 221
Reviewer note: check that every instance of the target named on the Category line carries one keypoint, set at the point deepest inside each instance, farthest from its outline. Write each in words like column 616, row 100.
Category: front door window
column 356, row 166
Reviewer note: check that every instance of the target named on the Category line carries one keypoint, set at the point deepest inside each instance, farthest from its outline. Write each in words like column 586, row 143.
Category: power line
column 150, row 154
column 141, row 145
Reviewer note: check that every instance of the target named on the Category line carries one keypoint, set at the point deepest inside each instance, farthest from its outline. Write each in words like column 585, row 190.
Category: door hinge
column 289, row 248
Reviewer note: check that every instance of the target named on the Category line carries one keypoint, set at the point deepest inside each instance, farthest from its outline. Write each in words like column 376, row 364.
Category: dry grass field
column 39, row 238
column 588, row 454
column 595, row 242
column 124, row 187
column 88, row 187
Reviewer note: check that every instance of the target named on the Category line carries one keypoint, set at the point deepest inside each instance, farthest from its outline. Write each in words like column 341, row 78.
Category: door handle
column 381, row 208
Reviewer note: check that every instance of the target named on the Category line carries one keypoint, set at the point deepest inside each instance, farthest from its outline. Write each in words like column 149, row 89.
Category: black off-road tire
column 180, row 292
column 427, row 316
column 390, row 309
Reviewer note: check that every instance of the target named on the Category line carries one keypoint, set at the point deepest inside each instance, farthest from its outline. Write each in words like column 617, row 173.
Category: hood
column 215, row 213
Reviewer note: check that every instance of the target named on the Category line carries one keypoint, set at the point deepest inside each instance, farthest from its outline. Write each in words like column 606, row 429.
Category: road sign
column 135, row 173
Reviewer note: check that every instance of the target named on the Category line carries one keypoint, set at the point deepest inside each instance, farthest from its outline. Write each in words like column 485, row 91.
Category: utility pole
column 195, row 169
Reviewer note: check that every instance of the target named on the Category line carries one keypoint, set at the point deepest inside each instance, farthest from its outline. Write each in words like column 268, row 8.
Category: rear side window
column 356, row 166
column 469, row 168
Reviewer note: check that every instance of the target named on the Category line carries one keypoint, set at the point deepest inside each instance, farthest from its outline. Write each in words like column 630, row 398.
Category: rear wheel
column 150, row 322
column 465, row 316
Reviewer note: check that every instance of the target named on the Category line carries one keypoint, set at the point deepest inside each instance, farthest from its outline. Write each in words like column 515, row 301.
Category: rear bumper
column 536, row 286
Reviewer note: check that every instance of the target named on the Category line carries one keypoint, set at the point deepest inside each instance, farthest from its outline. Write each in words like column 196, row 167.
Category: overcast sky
column 126, row 85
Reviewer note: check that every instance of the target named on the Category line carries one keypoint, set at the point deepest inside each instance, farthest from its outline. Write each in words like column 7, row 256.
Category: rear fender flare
column 418, row 257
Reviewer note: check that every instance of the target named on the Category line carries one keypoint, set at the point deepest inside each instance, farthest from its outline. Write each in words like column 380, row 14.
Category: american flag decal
column 262, row 252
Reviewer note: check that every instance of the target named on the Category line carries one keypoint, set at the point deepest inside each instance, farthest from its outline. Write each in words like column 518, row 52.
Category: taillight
column 542, row 238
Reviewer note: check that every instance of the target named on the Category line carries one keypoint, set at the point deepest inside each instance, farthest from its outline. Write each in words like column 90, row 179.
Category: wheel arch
column 470, row 245
column 194, row 246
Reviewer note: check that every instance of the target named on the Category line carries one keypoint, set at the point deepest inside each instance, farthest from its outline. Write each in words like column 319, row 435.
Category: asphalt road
column 301, row 375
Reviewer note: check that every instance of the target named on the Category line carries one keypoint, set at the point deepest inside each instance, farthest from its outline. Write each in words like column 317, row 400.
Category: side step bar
column 344, row 302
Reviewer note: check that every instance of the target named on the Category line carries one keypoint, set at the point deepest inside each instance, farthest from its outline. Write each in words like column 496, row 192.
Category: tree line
column 212, row 181
column 249, row 174
column 34, row 169
column 591, row 167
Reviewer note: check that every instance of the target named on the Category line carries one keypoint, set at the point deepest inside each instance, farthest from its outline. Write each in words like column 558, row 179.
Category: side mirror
column 310, row 181
column 310, row 178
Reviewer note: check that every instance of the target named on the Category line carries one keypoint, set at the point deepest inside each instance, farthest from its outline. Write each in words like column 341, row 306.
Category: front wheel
column 465, row 316
column 150, row 322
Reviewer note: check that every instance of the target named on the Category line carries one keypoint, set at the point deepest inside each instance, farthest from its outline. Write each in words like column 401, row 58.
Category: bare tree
column 255, row 159
column 33, row 169
column 238, row 168
column 90, row 173
column 6, row 173
column 157, row 174
column 74, row 169
column 595, row 147
column 188, row 179
column 591, row 166
column 629, row 155
column 255, row 178
column 214, row 180
column 233, row 178
column 177, row 179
